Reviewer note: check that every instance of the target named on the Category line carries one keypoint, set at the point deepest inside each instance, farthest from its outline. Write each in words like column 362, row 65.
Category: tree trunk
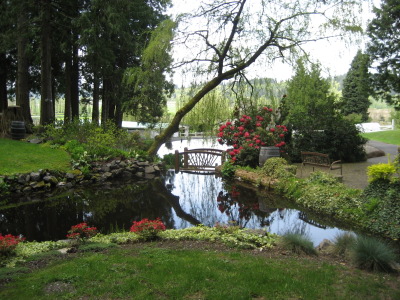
column 75, row 79
column 22, row 91
column 105, row 101
column 96, row 98
column 3, row 83
column 46, row 107
column 174, row 125
column 67, row 108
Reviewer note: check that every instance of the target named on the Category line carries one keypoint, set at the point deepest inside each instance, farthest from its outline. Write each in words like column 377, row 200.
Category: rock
column 35, row 141
column 35, row 176
column 126, row 174
column 324, row 245
column 149, row 170
column 70, row 176
column 22, row 179
column 50, row 179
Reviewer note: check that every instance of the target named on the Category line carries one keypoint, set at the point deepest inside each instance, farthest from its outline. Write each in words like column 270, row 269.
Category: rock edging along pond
column 47, row 180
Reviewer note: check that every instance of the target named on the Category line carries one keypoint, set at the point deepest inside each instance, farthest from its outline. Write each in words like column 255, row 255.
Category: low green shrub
column 343, row 243
column 373, row 255
column 228, row 169
column 297, row 243
column 322, row 178
column 381, row 172
column 277, row 167
column 381, row 208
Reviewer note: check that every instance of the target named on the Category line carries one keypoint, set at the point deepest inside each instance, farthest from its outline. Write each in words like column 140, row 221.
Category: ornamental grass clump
column 297, row 243
column 373, row 255
column 343, row 243
column 148, row 229
column 8, row 243
column 81, row 232
column 248, row 134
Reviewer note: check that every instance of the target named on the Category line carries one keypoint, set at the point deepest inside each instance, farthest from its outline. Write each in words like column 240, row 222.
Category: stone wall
column 47, row 180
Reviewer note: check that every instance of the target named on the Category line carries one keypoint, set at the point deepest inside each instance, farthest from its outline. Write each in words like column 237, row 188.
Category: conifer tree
column 356, row 87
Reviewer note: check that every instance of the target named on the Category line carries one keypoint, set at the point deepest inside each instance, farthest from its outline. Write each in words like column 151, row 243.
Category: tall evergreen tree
column 357, row 87
column 309, row 102
column 384, row 50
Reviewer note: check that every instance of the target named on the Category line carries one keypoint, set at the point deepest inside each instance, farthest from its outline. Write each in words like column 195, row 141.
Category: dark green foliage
column 381, row 204
column 340, row 139
column 373, row 255
column 357, row 87
column 298, row 243
column 228, row 169
column 311, row 114
column 384, row 49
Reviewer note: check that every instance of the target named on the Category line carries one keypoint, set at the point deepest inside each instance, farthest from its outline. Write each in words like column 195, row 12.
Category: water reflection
column 180, row 200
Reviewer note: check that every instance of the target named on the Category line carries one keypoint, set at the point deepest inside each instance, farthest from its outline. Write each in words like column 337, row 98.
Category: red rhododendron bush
column 8, row 243
column 148, row 229
column 249, row 133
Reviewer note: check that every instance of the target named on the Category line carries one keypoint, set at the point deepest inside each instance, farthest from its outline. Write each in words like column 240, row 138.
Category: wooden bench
column 316, row 159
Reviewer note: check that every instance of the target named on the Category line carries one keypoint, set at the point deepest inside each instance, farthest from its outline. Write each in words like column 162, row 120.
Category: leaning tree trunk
column 174, row 125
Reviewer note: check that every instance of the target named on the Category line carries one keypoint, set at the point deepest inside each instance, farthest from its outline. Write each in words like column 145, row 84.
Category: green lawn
column 152, row 271
column 22, row 157
column 389, row 136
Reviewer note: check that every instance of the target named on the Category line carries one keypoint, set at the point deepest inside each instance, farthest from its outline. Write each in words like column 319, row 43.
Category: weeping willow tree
column 214, row 109
column 224, row 39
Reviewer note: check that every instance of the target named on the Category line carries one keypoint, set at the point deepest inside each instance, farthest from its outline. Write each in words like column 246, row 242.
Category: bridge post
column 176, row 161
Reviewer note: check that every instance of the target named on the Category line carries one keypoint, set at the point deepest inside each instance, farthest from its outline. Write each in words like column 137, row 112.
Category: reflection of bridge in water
column 303, row 217
column 199, row 161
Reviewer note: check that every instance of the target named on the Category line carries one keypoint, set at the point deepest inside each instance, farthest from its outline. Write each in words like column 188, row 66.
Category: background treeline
column 74, row 49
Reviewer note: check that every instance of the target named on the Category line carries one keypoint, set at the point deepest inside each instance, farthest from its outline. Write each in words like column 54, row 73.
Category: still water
column 180, row 200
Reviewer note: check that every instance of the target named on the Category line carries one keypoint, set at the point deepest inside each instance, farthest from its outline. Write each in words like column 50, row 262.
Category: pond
column 180, row 200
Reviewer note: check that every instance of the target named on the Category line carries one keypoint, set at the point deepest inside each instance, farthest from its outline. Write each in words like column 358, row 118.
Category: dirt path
column 355, row 174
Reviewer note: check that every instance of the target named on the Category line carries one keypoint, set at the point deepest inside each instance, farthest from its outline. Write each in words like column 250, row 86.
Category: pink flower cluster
column 251, row 132
column 81, row 232
column 8, row 243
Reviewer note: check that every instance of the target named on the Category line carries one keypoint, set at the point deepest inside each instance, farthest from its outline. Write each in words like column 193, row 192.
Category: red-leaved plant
column 81, row 232
column 8, row 243
column 249, row 133
column 148, row 229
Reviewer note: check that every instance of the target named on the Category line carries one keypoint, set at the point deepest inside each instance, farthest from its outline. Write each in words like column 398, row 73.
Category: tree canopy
column 384, row 50
column 224, row 39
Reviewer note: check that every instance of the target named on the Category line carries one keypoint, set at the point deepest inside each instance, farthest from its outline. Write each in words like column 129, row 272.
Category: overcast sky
column 335, row 57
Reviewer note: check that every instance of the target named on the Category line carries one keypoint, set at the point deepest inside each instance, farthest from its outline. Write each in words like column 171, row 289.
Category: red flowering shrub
column 81, row 232
column 248, row 134
column 148, row 229
column 8, row 243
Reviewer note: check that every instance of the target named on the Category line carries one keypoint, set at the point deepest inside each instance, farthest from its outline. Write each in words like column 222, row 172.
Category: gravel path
column 355, row 174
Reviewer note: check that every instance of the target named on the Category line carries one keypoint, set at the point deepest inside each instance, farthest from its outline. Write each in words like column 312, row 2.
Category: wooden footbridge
column 198, row 161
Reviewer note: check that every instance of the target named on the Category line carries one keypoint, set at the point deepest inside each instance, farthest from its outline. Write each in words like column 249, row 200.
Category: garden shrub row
column 375, row 210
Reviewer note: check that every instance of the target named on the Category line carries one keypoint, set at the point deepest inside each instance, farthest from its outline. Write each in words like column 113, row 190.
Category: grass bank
column 193, row 270
column 389, row 136
column 21, row 157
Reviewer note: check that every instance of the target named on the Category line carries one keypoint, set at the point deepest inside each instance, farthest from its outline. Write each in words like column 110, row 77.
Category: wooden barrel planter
column 18, row 130
column 266, row 153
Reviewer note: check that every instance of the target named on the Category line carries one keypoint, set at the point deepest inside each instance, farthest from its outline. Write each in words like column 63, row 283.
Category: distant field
column 389, row 136
column 22, row 157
